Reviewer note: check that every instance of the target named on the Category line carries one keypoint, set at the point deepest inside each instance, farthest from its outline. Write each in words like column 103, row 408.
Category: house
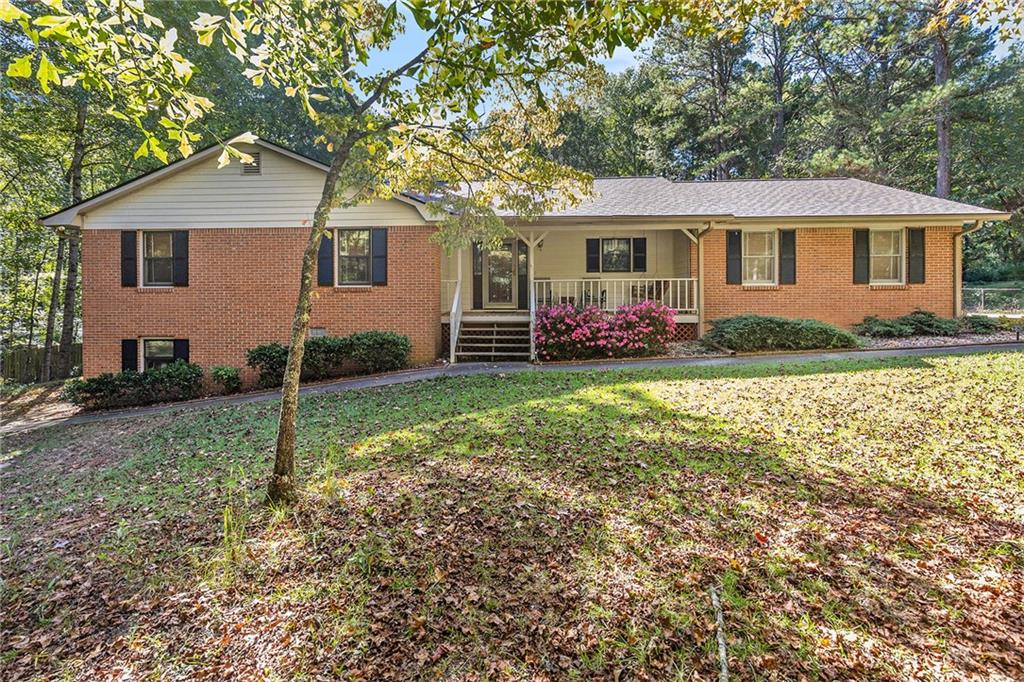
column 191, row 261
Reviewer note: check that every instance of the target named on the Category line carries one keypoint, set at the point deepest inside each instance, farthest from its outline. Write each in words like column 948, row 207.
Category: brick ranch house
column 192, row 261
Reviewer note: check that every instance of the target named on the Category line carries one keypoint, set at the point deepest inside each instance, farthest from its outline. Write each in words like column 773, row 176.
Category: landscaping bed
column 919, row 341
column 859, row 519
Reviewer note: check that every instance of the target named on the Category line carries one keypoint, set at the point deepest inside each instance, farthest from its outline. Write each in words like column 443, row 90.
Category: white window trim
column 600, row 253
column 337, row 262
column 774, row 281
column 140, row 241
column 902, row 258
column 140, row 363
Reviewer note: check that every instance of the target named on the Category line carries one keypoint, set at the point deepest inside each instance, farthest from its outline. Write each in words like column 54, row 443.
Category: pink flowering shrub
column 565, row 332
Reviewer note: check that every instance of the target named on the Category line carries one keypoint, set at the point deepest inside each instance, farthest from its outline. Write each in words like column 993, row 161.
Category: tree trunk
column 779, row 56
column 281, row 488
column 943, row 117
column 51, row 315
column 35, row 298
column 67, row 334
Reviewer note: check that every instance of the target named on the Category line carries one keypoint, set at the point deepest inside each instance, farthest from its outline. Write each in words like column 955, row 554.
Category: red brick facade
column 824, row 288
column 242, row 289
column 243, row 284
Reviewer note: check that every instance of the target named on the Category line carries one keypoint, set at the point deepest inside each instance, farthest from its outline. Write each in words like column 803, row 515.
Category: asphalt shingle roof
column 819, row 197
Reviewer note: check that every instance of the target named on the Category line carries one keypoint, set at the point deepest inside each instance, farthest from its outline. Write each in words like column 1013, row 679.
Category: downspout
column 958, row 268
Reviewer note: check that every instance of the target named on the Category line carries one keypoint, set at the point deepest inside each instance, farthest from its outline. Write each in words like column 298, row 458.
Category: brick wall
column 243, row 285
column 824, row 288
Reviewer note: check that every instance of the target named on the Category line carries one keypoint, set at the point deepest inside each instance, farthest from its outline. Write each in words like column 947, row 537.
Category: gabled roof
column 744, row 199
column 657, row 197
column 69, row 214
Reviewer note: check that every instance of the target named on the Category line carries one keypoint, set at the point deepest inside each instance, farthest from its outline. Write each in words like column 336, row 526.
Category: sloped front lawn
column 861, row 519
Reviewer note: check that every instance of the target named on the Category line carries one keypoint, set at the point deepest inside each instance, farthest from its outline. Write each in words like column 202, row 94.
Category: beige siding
column 283, row 195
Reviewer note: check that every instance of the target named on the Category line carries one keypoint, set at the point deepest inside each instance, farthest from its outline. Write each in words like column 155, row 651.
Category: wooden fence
column 24, row 365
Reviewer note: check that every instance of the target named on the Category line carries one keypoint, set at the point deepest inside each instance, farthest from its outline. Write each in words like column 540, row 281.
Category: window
column 616, row 255
column 157, row 259
column 353, row 256
column 759, row 257
column 316, row 332
column 157, row 353
column 886, row 252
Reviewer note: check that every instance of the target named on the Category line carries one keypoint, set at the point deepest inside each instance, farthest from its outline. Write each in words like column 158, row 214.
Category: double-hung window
column 885, row 249
column 616, row 255
column 157, row 353
column 354, row 256
column 157, row 259
column 759, row 257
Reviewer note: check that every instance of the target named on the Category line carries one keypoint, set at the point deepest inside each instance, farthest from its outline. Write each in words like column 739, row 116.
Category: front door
column 499, row 276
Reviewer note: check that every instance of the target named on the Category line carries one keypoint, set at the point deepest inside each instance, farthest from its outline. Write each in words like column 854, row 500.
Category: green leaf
column 9, row 12
column 143, row 150
column 47, row 73
column 21, row 68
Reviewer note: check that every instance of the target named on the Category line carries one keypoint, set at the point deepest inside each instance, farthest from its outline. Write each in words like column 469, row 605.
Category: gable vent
column 254, row 167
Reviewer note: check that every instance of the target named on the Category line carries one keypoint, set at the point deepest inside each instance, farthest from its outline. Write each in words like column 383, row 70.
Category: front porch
column 489, row 297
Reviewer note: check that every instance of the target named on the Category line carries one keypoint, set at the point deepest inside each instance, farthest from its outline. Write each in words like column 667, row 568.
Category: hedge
column 748, row 333
column 324, row 356
column 177, row 381
column 917, row 323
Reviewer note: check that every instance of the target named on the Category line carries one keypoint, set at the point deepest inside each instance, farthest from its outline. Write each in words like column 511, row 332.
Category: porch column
column 455, row 309
column 530, row 243
column 700, row 279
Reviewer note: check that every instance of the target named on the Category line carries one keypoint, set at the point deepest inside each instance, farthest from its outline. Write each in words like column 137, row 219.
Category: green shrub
column 748, row 333
column 324, row 355
column 887, row 329
column 929, row 324
column 380, row 351
column 229, row 378
column 982, row 324
column 269, row 361
column 177, row 381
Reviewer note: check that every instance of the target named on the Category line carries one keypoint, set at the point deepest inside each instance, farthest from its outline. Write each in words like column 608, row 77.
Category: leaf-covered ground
column 861, row 519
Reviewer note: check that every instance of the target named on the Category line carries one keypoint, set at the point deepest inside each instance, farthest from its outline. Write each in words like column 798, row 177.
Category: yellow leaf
column 9, row 12
column 22, row 68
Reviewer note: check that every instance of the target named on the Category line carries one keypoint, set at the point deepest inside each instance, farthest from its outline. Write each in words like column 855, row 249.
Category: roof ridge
column 710, row 182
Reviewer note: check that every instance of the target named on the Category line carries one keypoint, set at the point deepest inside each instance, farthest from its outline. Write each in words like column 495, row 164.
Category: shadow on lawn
column 513, row 527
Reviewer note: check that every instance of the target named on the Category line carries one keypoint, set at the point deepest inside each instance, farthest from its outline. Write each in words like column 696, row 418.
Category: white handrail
column 678, row 293
column 455, row 321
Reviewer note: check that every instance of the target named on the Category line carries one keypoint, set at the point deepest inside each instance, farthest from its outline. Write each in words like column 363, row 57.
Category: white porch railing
column 679, row 293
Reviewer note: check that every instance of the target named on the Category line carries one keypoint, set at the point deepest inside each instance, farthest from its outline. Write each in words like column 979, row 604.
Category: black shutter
column 733, row 257
column 522, row 263
column 915, row 255
column 640, row 254
column 593, row 255
column 379, row 256
column 129, row 355
column 325, row 261
column 478, row 276
column 179, row 247
column 787, row 256
column 129, row 259
column 181, row 349
column 861, row 257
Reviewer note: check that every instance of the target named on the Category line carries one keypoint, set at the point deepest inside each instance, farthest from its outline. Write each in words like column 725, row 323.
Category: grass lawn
column 861, row 519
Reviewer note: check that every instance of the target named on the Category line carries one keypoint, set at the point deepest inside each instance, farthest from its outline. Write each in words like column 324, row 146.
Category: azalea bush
column 177, row 381
column 565, row 332
column 752, row 333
